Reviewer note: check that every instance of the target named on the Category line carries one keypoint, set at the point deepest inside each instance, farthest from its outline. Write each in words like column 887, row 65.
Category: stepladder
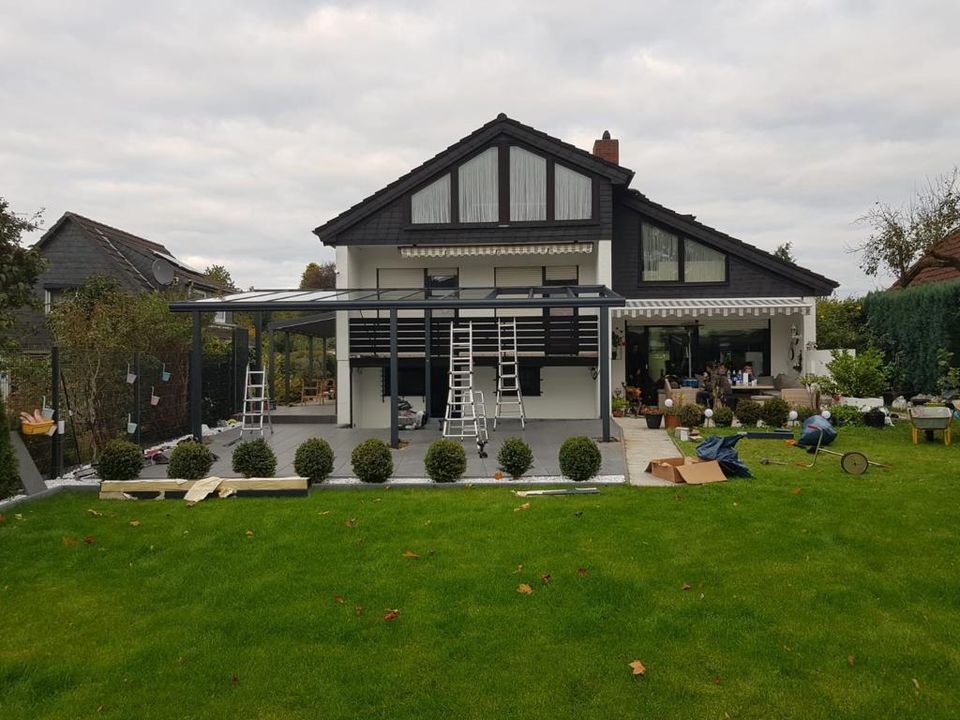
column 509, row 396
column 465, row 415
column 256, row 403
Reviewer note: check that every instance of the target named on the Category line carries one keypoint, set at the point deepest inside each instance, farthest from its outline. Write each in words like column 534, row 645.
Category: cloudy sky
column 228, row 130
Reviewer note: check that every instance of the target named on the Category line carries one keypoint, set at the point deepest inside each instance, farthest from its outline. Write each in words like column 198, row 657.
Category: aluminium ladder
column 256, row 403
column 509, row 397
column 465, row 415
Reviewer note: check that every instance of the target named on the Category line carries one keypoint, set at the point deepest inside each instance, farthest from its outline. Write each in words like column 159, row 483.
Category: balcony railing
column 554, row 336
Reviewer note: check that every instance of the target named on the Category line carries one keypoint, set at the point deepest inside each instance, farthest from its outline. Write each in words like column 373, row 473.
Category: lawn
column 797, row 594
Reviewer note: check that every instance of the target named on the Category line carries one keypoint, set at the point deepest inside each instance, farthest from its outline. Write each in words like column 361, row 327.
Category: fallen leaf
column 524, row 589
column 361, row 540
column 410, row 555
column 716, row 679
column 795, row 491
column 582, row 571
column 358, row 610
column 325, row 512
column 89, row 539
column 638, row 668
column 249, row 533
column 686, row 586
column 545, row 579
column 850, row 660
column 525, row 506
column 498, row 475
column 134, row 523
column 3, row 519
column 350, row 523
column 519, row 569
column 69, row 541
column 916, row 686
column 234, row 680
column 101, row 707
column 18, row 516
column 95, row 513
column 376, row 500
column 338, row 598
column 181, row 660
column 391, row 614
column 578, row 513
column 428, row 522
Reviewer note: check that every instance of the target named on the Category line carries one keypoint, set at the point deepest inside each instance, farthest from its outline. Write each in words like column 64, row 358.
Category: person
column 724, row 388
column 748, row 372
column 705, row 393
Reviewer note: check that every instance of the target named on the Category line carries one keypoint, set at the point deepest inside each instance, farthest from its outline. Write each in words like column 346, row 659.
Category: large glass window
column 432, row 203
column 573, row 195
column 478, row 188
column 702, row 264
column 528, row 186
column 661, row 255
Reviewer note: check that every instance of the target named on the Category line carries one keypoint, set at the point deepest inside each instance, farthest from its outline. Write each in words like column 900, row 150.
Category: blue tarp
column 813, row 426
column 723, row 450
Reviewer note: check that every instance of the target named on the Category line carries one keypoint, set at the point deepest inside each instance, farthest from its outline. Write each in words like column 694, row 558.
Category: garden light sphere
column 708, row 413
column 668, row 402
column 825, row 414
column 793, row 415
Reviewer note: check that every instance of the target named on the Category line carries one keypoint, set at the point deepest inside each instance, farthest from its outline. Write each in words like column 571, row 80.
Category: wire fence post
column 136, row 394
column 56, row 446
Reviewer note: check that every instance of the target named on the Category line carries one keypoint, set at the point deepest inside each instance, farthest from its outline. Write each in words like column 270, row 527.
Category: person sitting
column 724, row 389
column 705, row 393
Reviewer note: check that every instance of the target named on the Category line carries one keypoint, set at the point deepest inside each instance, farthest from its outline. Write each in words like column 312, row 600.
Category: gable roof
column 133, row 255
column 476, row 140
column 927, row 270
column 688, row 225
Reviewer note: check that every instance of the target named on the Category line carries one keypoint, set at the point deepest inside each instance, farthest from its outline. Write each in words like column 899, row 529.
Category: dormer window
column 432, row 203
column 574, row 195
column 528, row 186
column 666, row 257
column 478, row 188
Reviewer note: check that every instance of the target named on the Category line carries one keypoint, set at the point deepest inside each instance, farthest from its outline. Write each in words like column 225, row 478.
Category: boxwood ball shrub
column 579, row 458
column 254, row 458
column 314, row 460
column 748, row 412
column 120, row 460
column 190, row 461
column 775, row 412
column 515, row 457
column 722, row 416
column 445, row 461
column 690, row 415
column 371, row 461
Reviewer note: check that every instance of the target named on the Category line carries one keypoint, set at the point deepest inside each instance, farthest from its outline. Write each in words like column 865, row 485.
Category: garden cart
column 853, row 462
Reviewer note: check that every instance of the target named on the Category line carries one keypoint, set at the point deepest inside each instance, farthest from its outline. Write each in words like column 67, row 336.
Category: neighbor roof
column 923, row 271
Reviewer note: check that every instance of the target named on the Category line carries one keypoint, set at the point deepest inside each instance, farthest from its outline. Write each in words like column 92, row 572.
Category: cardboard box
column 686, row 470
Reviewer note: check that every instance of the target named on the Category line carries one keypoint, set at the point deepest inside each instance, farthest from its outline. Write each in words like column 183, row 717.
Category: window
column 432, row 203
column 518, row 276
column 664, row 258
column 410, row 381
column 528, row 186
column 573, row 195
column 560, row 275
column 51, row 298
column 478, row 188
column 438, row 278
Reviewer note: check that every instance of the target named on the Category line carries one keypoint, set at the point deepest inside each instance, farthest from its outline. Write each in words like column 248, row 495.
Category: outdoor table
column 752, row 388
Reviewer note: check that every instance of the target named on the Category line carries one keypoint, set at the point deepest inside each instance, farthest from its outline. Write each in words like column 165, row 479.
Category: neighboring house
column 76, row 248
column 939, row 265
column 509, row 206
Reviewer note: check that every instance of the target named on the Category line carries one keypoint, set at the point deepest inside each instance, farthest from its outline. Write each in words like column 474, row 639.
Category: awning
column 715, row 307
column 419, row 251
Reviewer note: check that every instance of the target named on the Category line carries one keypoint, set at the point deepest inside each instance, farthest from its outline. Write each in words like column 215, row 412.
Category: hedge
column 9, row 475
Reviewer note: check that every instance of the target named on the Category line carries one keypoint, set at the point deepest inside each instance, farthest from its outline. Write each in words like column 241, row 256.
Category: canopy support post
column 427, row 370
column 394, row 382
column 605, row 372
column 286, row 368
column 196, row 380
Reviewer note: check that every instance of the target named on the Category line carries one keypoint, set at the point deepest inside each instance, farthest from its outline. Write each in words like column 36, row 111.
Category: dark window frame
column 681, row 261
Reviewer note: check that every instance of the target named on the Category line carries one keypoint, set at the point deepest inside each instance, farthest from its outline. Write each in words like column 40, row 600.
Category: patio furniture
column 796, row 397
column 328, row 390
column 931, row 419
column 310, row 392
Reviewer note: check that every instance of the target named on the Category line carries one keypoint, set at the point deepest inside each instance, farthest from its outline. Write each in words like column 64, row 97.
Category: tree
column 785, row 252
column 904, row 235
column 220, row 275
column 19, row 266
column 319, row 277
column 841, row 324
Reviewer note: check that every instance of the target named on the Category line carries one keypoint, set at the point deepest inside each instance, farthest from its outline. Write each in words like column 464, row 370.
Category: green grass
column 155, row 621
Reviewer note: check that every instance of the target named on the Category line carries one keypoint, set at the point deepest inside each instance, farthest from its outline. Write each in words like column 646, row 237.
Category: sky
column 229, row 130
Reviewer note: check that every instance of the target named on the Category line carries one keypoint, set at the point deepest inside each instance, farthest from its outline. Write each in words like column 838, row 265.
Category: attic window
column 574, row 195
column 479, row 189
column 528, row 186
column 666, row 257
column 432, row 204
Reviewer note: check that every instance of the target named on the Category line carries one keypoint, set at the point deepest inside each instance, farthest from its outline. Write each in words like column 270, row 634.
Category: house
column 76, row 247
column 509, row 206
column 941, row 264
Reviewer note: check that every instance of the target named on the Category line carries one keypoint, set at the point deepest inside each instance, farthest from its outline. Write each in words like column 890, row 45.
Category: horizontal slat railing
column 575, row 335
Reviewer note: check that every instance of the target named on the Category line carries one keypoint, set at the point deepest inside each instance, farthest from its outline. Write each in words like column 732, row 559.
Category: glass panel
column 560, row 274
column 660, row 255
column 528, row 185
column 443, row 278
column 479, row 190
column 736, row 346
column 432, row 203
column 573, row 194
column 702, row 264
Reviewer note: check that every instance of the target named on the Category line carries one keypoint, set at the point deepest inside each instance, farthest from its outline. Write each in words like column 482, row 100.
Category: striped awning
column 440, row 251
column 715, row 307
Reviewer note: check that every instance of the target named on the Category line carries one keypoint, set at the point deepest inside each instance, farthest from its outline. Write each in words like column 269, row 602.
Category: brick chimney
column 607, row 148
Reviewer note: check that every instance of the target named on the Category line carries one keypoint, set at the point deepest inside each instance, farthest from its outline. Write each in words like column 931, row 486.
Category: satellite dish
column 162, row 271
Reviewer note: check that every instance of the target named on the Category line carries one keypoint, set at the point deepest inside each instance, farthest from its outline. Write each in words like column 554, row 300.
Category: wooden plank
column 237, row 484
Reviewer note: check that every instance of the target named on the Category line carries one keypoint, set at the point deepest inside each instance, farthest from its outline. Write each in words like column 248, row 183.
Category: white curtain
column 574, row 195
column 702, row 264
column 528, row 185
column 660, row 255
column 479, row 189
column 432, row 203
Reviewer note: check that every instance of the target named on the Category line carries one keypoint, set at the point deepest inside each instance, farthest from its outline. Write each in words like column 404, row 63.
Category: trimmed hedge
column 722, row 416
column 515, row 457
column 314, row 460
column 190, row 461
column 9, row 473
column 775, row 412
column 254, row 458
column 445, row 461
column 690, row 415
column 579, row 458
column 371, row 461
column 748, row 412
column 120, row 460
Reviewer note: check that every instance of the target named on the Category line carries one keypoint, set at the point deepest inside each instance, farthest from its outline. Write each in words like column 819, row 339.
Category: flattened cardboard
column 686, row 470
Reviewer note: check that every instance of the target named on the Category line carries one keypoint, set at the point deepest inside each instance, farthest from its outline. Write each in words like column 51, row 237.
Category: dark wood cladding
column 554, row 336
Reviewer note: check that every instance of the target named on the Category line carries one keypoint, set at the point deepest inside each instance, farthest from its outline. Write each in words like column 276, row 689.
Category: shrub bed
column 314, row 460
column 445, row 461
column 120, row 460
column 723, row 416
column 515, row 457
column 579, row 458
column 690, row 415
column 748, row 412
column 775, row 412
column 190, row 461
column 254, row 458
column 371, row 461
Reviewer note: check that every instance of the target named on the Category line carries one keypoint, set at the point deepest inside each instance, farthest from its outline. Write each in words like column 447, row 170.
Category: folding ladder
column 256, row 403
column 509, row 397
column 465, row 415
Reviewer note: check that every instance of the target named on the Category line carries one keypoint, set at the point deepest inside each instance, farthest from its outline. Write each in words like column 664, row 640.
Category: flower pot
column 618, row 413
column 672, row 421
column 654, row 421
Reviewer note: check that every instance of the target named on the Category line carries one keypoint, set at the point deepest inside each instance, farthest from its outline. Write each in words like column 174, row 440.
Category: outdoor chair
column 796, row 397
column 328, row 391
column 310, row 392
column 929, row 420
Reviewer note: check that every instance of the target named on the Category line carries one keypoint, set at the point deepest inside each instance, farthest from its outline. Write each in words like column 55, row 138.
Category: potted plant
column 653, row 415
column 671, row 415
column 618, row 404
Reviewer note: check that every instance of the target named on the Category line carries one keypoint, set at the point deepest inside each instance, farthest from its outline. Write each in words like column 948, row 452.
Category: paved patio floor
column 640, row 445
column 543, row 436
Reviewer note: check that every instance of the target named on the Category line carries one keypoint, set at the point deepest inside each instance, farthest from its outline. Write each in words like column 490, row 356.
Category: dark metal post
column 258, row 340
column 136, row 393
column 323, row 361
column 427, row 351
column 196, row 380
column 605, row 372
column 394, row 382
column 310, row 357
column 270, row 386
column 286, row 367
column 56, row 447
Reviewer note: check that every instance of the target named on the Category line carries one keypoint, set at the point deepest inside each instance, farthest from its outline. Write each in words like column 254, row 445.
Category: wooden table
column 751, row 388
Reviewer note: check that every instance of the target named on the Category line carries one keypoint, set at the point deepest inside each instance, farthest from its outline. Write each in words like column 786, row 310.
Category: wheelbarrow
column 853, row 462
